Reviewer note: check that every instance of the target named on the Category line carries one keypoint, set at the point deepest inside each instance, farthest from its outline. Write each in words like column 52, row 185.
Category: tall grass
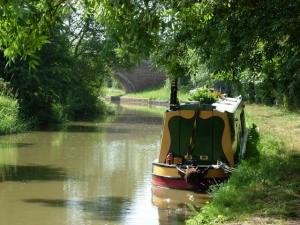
column 10, row 121
column 113, row 91
column 266, row 185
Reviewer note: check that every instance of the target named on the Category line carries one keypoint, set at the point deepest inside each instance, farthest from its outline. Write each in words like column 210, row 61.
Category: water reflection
column 88, row 173
column 14, row 145
column 166, row 198
column 102, row 208
column 83, row 128
column 25, row 173
column 8, row 156
column 175, row 206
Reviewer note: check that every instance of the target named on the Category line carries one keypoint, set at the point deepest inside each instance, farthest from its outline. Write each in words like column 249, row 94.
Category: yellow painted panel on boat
column 205, row 114
column 172, row 172
column 165, row 171
column 166, row 137
column 226, row 138
column 187, row 114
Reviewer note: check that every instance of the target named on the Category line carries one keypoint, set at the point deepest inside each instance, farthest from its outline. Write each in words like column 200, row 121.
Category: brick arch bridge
column 140, row 77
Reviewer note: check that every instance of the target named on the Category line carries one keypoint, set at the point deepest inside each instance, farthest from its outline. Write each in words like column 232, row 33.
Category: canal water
column 89, row 173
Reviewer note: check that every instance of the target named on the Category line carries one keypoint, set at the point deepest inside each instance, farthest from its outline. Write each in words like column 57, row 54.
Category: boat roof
column 227, row 104
column 224, row 104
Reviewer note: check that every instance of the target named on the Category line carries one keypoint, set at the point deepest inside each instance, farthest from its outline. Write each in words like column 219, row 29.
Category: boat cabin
column 204, row 134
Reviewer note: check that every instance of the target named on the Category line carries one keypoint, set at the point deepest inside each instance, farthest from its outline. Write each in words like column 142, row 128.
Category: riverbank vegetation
column 113, row 91
column 10, row 121
column 161, row 93
column 264, row 188
column 10, row 117
column 55, row 67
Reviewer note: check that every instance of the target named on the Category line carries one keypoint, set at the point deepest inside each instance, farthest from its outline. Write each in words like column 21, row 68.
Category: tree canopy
column 249, row 43
column 253, row 46
column 24, row 26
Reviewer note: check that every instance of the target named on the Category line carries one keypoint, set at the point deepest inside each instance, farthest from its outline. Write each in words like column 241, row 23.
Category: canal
column 89, row 173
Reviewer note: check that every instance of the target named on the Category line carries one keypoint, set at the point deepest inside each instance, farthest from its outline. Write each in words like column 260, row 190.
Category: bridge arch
column 140, row 77
column 125, row 83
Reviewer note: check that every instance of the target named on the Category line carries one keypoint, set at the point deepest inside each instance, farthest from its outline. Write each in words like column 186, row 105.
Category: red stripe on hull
column 171, row 183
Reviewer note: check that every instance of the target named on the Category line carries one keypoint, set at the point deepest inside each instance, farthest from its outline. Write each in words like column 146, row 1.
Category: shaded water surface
column 88, row 174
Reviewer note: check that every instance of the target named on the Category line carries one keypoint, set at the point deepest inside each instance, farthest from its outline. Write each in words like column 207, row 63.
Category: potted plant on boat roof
column 204, row 96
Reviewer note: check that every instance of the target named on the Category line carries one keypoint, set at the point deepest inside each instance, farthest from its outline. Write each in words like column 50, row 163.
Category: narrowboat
column 200, row 143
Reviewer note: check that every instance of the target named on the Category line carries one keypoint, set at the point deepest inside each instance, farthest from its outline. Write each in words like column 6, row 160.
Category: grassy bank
column 10, row 121
column 162, row 93
column 154, row 111
column 113, row 92
column 265, row 187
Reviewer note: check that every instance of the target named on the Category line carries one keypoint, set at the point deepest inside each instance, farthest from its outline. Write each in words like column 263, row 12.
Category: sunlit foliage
column 252, row 47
